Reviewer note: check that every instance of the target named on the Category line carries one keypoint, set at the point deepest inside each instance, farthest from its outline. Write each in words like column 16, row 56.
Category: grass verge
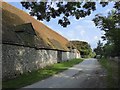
column 34, row 76
column 112, row 72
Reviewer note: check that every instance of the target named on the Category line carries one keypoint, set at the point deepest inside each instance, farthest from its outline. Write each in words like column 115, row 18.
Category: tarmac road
column 87, row 74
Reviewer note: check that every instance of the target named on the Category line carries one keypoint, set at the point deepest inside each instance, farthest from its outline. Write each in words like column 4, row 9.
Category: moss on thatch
column 23, row 35
column 27, row 28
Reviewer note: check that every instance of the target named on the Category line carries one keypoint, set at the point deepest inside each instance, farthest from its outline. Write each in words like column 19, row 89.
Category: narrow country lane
column 87, row 74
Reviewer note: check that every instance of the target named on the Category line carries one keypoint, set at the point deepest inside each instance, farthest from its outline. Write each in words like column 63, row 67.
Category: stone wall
column 17, row 60
column 69, row 55
column 77, row 53
column 65, row 56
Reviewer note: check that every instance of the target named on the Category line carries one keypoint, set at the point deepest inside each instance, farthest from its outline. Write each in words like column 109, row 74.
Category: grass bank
column 34, row 76
column 112, row 72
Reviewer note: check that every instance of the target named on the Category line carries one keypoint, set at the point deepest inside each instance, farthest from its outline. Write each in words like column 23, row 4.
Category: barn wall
column 17, row 60
column 65, row 56
column 69, row 55
column 77, row 53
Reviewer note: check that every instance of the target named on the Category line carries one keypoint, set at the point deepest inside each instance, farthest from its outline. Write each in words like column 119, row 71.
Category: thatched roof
column 21, row 28
column 9, row 36
column 23, row 35
column 27, row 28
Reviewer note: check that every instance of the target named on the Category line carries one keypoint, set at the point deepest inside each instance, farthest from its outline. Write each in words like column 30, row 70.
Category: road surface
column 87, row 74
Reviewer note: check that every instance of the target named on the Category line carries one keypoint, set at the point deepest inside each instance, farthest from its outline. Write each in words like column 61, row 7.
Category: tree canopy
column 111, row 25
column 84, row 48
column 48, row 10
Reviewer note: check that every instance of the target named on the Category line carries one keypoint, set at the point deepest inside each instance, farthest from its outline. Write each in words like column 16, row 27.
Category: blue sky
column 82, row 29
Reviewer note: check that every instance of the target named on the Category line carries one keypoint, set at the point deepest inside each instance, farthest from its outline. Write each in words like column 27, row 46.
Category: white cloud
column 96, row 38
column 89, row 23
column 75, row 33
column 79, row 27
column 82, row 32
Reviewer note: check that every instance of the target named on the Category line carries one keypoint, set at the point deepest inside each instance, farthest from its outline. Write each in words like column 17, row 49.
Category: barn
column 28, row 44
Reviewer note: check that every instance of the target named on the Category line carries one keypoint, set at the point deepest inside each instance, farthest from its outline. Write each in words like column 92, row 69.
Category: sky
column 83, row 29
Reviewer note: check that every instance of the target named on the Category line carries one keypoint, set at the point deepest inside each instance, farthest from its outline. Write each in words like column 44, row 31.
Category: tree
column 48, row 10
column 99, row 49
column 108, row 50
column 111, row 25
column 84, row 48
